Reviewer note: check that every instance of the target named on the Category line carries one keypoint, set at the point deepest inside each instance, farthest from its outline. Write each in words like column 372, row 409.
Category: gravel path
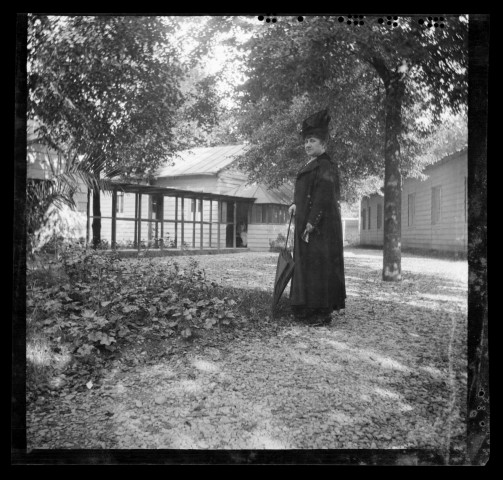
column 390, row 373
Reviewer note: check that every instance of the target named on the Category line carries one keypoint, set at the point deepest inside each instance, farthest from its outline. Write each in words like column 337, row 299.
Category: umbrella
column 284, row 272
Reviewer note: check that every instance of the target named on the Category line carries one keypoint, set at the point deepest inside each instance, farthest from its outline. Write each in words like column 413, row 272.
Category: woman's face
column 314, row 146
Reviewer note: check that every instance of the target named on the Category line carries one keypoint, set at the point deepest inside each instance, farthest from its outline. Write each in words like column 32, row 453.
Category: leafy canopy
column 105, row 87
column 295, row 69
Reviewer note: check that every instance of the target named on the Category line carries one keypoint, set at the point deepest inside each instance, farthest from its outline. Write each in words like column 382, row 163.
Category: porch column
column 234, row 227
column 139, row 223
column 176, row 221
column 162, row 223
column 219, row 216
column 135, row 237
column 88, row 214
column 194, row 222
column 211, row 220
column 201, row 234
column 114, row 220
column 183, row 219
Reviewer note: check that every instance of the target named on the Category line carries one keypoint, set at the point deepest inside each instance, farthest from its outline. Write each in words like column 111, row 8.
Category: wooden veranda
column 180, row 222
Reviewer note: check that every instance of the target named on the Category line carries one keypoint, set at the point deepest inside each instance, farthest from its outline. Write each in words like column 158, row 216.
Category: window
column 193, row 205
column 436, row 207
column 379, row 216
column 119, row 208
column 256, row 214
column 223, row 212
column 364, row 218
column 411, row 209
column 277, row 214
column 369, row 219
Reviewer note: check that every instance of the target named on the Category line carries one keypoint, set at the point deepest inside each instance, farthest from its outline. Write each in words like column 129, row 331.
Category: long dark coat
column 318, row 279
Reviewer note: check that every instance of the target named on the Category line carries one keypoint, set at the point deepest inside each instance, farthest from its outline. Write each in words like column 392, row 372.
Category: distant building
column 434, row 211
column 249, row 215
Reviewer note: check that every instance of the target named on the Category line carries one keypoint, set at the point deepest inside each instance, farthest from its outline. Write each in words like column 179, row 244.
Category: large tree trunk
column 392, row 255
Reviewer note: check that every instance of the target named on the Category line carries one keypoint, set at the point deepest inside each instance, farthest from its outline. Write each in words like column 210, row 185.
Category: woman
column 318, row 284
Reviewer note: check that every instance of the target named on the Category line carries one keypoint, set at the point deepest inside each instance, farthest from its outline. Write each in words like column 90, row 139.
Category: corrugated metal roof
column 202, row 161
column 282, row 195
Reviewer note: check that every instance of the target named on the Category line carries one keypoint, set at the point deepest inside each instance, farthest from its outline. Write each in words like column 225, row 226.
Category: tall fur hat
column 316, row 124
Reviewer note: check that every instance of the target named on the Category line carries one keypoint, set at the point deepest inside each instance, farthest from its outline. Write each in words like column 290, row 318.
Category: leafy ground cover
column 162, row 353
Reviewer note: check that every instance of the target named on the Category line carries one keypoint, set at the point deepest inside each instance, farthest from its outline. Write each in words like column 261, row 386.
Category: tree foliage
column 386, row 88
column 106, row 87
column 104, row 91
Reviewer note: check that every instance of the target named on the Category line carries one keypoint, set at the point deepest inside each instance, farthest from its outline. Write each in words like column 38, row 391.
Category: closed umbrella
column 284, row 272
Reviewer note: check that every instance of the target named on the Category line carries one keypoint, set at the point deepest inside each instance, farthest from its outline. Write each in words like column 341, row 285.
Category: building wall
column 259, row 235
column 229, row 179
column 450, row 233
column 374, row 235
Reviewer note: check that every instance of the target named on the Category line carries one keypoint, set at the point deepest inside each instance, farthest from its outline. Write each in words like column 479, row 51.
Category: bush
column 102, row 298
column 279, row 244
column 60, row 225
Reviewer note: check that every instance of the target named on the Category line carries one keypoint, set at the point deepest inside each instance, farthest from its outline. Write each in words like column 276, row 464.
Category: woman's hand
column 292, row 209
column 309, row 228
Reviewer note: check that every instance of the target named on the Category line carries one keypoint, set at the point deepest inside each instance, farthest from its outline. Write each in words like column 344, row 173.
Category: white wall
column 259, row 234
column 450, row 233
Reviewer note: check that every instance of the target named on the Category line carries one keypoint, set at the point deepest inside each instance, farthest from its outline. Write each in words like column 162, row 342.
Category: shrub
column 278, row 244
column 102, row 297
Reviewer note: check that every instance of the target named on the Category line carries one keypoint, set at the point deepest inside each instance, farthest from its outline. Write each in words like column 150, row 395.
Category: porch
column 205, row 229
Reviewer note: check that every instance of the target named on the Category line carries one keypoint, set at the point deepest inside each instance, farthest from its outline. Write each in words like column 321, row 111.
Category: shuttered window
column 411, row 209
column 379, row 216
column 436, row 205
column 364, row 218
column 369, row 218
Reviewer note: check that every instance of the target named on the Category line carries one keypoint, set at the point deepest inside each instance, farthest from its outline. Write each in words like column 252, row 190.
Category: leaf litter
column 389, row 373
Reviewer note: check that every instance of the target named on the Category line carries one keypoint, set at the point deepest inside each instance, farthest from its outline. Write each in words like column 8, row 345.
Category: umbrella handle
column 288, row 233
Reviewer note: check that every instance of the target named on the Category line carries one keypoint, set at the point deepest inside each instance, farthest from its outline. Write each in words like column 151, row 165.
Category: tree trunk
column 96, row 221
column 392, row 255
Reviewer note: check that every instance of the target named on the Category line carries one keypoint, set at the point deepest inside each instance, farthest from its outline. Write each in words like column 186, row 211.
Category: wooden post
column 211, row 220
column 183, row 219
column 88, row 213
column 139, row 222
column 201, row 239
column 176, row 221
column 157, row 209
column 194, row 223
column 162, row 223
column 135, row 238
column 219, row 216
column 234, row 227
column 114, row 219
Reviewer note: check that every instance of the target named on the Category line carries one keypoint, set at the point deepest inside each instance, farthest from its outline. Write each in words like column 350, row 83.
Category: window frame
column 119, row 206
column 436, row 205
column 411, row 209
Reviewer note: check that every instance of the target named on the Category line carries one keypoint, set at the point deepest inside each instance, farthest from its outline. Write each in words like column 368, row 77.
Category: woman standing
column 318, row 284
